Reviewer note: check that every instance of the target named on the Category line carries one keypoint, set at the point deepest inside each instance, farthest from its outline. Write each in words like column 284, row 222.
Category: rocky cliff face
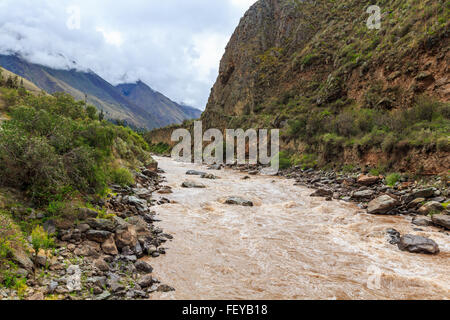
column 315, row 70
column 263, row 30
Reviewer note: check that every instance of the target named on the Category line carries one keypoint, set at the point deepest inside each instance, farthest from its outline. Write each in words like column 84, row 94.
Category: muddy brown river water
column 288, row 246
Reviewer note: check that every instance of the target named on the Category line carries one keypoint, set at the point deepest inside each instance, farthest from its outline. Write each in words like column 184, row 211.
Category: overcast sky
column 175, row 46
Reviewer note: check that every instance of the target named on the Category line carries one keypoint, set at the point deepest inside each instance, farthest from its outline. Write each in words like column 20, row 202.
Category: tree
column 1, row 78
column 9, row 83
column 16, row 82
column 101, row 116
column 21, row 83
column 92, row 112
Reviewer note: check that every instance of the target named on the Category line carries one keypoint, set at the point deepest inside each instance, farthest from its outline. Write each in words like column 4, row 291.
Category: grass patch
column 393, row 178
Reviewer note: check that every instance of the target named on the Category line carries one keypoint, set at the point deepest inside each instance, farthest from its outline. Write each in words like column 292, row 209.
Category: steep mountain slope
column 161, row 108
column 99, row 93
column 339, row 91
column 28, row 85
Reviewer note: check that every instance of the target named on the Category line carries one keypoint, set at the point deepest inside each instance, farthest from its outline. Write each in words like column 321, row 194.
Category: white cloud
column 111, row 37
column 243, row 4
column 174, row 46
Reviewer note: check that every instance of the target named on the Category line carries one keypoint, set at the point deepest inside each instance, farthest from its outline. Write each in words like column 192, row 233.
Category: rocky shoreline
column 101, row 258
column 426, row 202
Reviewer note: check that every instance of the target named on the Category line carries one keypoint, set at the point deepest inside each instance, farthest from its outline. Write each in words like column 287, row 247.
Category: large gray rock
column 195, row 173
column 209, row 176
column 22, row 259
column 73, row 280
column 430, row 207
column 126, row 237
column 193, row 184
column 322, row 193
column 138, row 203
column 146, row 281
column 86, row 213
column 102, row 224
column 418, row 244
column 363, row 194
column 367, row 180
column 143, row 266
column 422, row 193
column 239, row 201
column 99, row 236
column 115, row 283
column 442, row 220
column 382, row 205
column 422, row 221
column 137, row 222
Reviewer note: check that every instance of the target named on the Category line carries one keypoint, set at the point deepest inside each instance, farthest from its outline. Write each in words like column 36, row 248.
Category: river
column 288, row 246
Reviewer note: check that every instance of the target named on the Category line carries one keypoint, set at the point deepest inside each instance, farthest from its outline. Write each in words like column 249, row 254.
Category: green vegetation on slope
column 56, row 155
column 331, row 84
column 55, row 146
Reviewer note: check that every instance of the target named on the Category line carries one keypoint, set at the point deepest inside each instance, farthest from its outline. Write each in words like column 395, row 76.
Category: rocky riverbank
column 105, row 254
column 425, row 201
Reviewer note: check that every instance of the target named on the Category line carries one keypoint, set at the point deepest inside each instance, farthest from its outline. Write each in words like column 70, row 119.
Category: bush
column 40, row 239
column 443, row 144
column 284, row 160
column 53, row 144
column 122, row 177
column 392, row 179
column 160, row 148
column 389, row 143
column 307, row 161
column 55, row 207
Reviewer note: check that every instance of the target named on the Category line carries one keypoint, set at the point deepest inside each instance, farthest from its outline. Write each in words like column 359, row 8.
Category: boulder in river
column 321, row 192
column 209, row 176
column 143, row 266
column 195, row 173
column 382, row 205
column 418, row 244
column 442, row 220
column 239, row 201
column 215, row 167
column 422, row 221
column 193, row 184
column 394, row 236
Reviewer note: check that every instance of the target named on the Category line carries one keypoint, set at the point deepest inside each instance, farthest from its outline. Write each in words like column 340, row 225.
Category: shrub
column 308, row 161
column 53, row 144
column 92, row 112
column 389, row 143
column 55, row 207
column 10, row 96
column 5, row 248
column 443, row 144
column 297, row 127
column 392, row 179
column 424, row 109
column 122, row 177
column 284, row 160
column 40, row 239
column 160, row 148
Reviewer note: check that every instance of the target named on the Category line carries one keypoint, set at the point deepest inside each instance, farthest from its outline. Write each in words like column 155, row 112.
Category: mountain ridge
column 341, row 93
column 100, row 93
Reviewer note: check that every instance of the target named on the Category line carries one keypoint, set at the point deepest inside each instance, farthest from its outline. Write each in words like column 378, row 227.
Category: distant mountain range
column 136, row 103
